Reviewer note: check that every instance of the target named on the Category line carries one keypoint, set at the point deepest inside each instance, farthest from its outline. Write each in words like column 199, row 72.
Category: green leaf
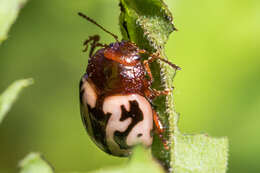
column 198, row 153
column 34, row 163
column 10, row 95
column 148, row 23
column 9, row 10
column 140, row 162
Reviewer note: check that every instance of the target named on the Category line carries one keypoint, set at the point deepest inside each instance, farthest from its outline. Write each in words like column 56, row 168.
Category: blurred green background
column 217, row 91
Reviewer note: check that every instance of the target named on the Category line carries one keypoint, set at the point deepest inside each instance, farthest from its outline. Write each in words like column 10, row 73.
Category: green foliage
column 140, row 162
column 9, row 10
column 216, row 92
column 11, row 94
column 199, row 153
column 34, row 163
column 149, row 23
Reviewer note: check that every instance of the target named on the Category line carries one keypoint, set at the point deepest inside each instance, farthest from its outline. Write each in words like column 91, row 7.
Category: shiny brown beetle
column 116, row 95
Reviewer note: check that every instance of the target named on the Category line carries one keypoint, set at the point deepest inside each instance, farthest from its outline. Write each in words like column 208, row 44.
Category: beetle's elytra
column 116, row 96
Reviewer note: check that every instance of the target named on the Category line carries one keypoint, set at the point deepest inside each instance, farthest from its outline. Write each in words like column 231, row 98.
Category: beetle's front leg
column 95, row 43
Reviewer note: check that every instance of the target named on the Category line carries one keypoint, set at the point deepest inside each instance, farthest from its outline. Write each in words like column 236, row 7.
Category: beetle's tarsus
column 94, row 42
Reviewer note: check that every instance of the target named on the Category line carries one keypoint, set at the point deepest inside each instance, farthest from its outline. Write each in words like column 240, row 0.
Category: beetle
column 116, row 95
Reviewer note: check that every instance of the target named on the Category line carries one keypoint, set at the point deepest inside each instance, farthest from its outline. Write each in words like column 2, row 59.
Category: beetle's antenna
column 95, row 23
column 168, row 62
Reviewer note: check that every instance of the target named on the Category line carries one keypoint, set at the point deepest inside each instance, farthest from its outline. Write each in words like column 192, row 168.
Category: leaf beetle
column 116, row 95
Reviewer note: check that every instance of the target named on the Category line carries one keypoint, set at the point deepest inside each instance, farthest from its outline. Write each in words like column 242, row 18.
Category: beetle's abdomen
column 119, row 123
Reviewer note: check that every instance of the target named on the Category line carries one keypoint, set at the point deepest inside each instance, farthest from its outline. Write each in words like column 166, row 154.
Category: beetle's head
column 124, row 52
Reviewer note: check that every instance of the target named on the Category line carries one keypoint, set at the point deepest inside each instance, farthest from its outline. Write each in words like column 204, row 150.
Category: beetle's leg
column 95, row 45
column 94, row 38
column 142, row 51
column 152, row 93
column 152, row 58
column 148, row 70
column 158, row 124
column 159, row 130
column 94, row 42
column 159, row 93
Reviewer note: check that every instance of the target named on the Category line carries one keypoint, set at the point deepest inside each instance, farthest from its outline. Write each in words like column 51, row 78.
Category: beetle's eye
column 111, row 44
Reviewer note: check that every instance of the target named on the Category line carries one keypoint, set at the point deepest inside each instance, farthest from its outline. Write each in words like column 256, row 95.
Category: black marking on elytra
column 136, row 115
column 81, row 91
column 139, row 135
column 98, row 121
